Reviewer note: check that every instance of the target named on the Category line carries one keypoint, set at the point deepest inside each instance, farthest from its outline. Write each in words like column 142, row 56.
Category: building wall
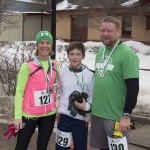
column 93, row 34
column 15, row 33
column 27, row 29
column 32, row 25
column 63, row 26
column 93, row 28
column 139, row 32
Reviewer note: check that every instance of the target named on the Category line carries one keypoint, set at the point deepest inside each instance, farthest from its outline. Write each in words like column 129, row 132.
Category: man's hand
column 124, row 124
column 18, row 124
column 82, row 105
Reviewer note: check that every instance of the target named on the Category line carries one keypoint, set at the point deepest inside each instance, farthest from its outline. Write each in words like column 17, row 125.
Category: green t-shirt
column 110, row 90
column 21, row 84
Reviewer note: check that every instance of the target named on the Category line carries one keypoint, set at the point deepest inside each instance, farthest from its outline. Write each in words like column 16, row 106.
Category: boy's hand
column 82, row 105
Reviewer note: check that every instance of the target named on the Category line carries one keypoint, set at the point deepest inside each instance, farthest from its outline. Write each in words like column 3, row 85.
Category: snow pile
column 65, row 5
column 61, row 45
column 25, row 50
column 129, row 3
column 139, row 47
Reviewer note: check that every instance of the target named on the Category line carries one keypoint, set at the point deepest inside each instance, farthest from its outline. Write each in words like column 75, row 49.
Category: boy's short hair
column 112, row 20
column 76, row 45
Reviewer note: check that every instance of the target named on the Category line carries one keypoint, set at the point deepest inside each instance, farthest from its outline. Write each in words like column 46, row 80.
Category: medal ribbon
column 103, row 57
column 45, row 72
column 81, row 84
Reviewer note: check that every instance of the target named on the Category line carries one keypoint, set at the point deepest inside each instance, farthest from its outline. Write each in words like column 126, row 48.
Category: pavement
column 139, row 137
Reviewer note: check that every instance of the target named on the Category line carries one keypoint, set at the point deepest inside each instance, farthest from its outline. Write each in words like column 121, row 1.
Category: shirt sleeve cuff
column 88, row 107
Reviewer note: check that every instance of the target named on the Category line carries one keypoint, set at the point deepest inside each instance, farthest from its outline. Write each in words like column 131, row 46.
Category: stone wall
column 7, row 105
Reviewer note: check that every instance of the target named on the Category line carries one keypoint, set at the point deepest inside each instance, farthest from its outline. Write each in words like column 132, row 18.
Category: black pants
column 45, row 129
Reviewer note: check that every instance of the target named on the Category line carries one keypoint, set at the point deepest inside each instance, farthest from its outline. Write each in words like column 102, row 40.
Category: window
column 79, row 27
column 126, row 26
column 147, row 22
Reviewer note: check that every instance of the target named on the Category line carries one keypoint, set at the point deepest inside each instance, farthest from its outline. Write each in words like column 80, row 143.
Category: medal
column 102, row 73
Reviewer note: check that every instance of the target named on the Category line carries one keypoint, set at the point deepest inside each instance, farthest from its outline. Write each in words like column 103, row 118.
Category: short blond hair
column 112, row 20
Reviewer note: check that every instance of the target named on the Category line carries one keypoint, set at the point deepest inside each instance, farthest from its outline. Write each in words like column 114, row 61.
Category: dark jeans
column 45, row 128
column 79, row 129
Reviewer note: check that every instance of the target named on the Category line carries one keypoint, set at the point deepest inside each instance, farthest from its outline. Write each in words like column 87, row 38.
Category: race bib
column 118, row 143
column 63, row 138
column 42, row 98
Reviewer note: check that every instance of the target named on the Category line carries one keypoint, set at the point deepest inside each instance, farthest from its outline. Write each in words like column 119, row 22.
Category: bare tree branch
column 10, row 63
column 6, row 22
column 109, row 8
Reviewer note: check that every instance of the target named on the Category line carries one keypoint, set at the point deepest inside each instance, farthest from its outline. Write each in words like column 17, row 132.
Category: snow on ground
column 144, row 61
column 143, row 52
column 144, row 95
column 27, row 1
column 139, row 47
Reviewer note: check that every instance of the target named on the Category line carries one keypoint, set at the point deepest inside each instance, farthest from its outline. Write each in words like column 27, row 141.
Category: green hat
column 44, row 35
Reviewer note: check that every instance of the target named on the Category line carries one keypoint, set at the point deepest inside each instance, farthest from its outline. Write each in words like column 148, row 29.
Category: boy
column 76, row 91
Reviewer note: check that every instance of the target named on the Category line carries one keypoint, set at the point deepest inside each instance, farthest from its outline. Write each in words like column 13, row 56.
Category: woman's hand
column 18, row 124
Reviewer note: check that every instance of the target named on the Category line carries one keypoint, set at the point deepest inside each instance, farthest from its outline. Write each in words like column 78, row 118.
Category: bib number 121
column 44, row 99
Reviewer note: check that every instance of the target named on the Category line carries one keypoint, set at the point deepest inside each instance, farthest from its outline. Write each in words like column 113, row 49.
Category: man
column 116, row 88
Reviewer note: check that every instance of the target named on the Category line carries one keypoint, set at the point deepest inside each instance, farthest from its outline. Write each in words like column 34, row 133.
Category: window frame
column 78, row 29
column 126, row 25
column 148, row 22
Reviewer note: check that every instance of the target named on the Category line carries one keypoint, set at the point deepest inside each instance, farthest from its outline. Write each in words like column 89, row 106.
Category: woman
column 35, row 96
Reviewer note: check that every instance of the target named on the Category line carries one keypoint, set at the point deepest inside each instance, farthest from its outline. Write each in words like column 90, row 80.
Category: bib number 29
column 63, row 139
